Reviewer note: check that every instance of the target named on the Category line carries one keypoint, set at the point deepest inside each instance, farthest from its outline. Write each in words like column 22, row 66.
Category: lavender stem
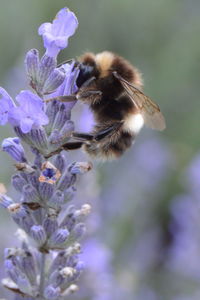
column 42, row 274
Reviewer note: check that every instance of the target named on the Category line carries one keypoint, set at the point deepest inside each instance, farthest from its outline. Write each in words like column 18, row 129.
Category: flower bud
column 5, row 201
column 59, row 162
column 50, row 224
column 30, row 194
column 57, row 199
column 61, row 117
column 38, row 234
column 46, row 190
column 54, row 80
column 14, row 148
column 51, row 112
column 66, row 181
column 32, row 64
column 59, row 237
column 78, row 231
column 18, row 182
column 80, row 167
column 38, row 138
column 46, row 67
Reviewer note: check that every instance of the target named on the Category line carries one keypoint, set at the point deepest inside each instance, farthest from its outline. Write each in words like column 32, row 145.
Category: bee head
column 87, row 67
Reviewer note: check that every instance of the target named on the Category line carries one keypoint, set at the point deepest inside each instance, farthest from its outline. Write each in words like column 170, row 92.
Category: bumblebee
column 111, row 86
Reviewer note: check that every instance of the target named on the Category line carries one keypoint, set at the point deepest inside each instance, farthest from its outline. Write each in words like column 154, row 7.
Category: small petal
column 26, row 124
column 38, row 234
column 30, row 112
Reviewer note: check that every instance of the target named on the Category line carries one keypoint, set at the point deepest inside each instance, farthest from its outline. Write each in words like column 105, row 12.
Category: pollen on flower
column 49, row 173
column 86, row 209
column 67, row 272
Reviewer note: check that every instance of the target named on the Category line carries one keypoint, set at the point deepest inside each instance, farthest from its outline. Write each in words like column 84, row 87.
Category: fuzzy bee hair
column 111, row 86
column 113, row 106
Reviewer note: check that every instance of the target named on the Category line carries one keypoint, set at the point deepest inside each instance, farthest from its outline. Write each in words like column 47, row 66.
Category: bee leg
column 87, row 94
column 53, row 153
column 72, row 145
column 101, row 134
column 67, row 146
column 104, row 132
column 62, row 98
column 87, row 82
column 83, row 136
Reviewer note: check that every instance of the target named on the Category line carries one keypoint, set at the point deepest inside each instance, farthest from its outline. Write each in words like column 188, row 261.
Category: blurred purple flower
column 96, row 256
column 185, row 225
column 6, row 105
column 86, row 120
column 55, row 35
column 193, row 175
column 14, row 148
column 30, row 112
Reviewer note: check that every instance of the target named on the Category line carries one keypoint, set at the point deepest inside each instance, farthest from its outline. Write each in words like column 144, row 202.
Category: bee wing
column 149, row 110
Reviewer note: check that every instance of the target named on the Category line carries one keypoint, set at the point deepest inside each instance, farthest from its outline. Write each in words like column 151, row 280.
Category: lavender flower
column 30, row 113
column 56, row 35
column 45, row 186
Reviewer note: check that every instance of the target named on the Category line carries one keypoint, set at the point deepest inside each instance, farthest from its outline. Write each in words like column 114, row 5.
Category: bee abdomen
column 110, row 148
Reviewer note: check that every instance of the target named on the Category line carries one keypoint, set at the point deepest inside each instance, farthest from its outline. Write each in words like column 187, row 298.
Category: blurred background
column 144, row 238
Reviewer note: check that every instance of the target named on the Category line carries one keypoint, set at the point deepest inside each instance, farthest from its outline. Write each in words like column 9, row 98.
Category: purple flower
column 6, row 104
column 55, row 35
column 193, row 175
column 14, row 148
column 69, row 86
column 30, row 112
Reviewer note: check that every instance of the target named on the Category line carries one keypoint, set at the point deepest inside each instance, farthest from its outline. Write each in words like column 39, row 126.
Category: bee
column 111, row 87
